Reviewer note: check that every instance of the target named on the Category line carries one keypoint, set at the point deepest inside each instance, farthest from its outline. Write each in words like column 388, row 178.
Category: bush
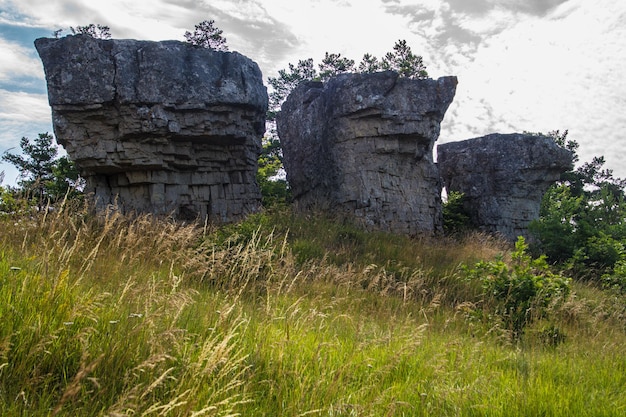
column 12, row 203
column 617, row 278
column 519, row 293
column 456, row 219
column 600, row 254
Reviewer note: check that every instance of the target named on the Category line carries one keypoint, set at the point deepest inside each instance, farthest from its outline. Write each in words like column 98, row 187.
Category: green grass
column 282, row 315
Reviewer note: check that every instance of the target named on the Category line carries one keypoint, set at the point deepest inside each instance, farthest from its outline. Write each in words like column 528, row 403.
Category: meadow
column 285, row 315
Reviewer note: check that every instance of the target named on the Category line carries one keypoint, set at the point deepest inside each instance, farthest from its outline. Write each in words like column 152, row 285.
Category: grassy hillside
column 285, row 315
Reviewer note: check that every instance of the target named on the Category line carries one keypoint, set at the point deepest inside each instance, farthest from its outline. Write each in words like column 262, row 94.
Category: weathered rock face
column 161, row 127
column 362, row 144
column 503, row 177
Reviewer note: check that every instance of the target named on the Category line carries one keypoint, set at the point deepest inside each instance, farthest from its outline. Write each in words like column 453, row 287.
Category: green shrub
column 600, row 254
column 456, row 219
column 521, row 292
column 617, row 278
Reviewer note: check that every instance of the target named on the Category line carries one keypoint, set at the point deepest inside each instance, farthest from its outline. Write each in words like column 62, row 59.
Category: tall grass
column 281, row 315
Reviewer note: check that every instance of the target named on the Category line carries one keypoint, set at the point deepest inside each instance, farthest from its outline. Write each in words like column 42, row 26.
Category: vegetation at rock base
column 456, row 220
column 522, row 292
column 582, row 224
column 285, row 315
column 270, row 176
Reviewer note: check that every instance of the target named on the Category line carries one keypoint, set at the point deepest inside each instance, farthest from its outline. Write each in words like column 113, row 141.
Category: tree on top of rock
column 403, row 61
column 369, row 64
column 95, row 31
column 334, row 64
column 286, row 81
column 207, row 35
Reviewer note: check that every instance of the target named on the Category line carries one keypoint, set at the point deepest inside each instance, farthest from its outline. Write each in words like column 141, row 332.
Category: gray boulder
column 503, row 178
column 160, row 127
column 361, row 144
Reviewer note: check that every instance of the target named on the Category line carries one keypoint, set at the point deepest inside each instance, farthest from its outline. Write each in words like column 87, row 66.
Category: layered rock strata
column 503, row 178
column 159, row 127
column 361, row 144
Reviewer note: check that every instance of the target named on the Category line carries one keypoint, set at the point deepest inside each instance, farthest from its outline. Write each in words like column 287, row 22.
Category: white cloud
column 522, row 64
column 17, row 61
column 546, row 74
column 21, row 114
column 23, row 107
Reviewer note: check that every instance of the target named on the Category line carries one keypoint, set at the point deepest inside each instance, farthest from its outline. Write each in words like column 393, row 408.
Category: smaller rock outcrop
column 159, row 127
column 361, row 144
column 503, row 178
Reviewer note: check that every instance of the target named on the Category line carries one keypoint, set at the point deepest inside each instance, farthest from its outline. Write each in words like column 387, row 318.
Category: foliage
column 112, row 315
column 45, row 177
column 369, row 64
column 12, row 202
column 456, row 219
column 598, row 255
column 207, row 35
column 9, row 201
column 582, row 222
column 334, row 64
column 403, row 61
column 616, row 279
column 521, row 292
column 270, row 175
column 286, row 81
column 95, row 31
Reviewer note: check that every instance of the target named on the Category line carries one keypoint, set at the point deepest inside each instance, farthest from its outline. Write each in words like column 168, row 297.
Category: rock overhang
column 159, row 126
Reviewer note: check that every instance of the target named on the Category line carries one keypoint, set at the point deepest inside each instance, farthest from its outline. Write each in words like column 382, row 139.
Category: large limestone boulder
column 503, row 178
column 161, row 127
column 361, row 144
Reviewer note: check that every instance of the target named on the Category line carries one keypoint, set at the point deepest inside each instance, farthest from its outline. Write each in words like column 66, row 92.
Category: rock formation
column 361, row 144
column 161, row 127
column 503, row 178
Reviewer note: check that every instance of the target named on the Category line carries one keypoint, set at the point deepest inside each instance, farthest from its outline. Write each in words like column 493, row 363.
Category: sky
column 522, row 65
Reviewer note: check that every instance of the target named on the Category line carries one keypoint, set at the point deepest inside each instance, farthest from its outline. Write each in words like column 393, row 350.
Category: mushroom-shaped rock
column 503, row 178
column 361, row 145
column 159, row 127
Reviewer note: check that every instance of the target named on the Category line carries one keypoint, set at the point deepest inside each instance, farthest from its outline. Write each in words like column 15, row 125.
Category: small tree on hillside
column 207, row 35
column 43, row 175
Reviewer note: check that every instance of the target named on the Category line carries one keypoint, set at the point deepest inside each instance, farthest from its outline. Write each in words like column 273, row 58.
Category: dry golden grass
column 279, row 315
